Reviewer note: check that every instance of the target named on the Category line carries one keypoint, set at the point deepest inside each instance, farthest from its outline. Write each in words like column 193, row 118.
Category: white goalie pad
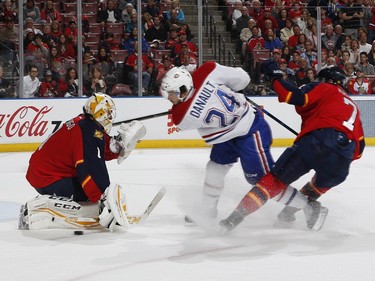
column 48, row 212
column 114, row 202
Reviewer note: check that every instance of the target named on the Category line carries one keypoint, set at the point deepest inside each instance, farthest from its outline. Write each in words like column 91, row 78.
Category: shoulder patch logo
column 98, row 134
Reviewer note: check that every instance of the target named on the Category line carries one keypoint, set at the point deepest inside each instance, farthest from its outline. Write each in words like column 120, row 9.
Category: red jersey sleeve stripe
column 79, row 162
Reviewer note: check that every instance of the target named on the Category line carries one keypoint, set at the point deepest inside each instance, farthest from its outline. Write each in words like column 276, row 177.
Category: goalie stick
column 142, row 218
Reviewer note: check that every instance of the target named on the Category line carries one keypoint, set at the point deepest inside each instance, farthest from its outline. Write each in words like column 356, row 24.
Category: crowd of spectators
column 109, row 45
column 287, row 30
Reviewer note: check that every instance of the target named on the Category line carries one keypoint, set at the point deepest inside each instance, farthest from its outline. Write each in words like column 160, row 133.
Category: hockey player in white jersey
column 208, row 100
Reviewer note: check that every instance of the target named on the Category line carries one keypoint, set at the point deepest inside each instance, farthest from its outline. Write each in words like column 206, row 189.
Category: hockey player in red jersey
column 71, row 163
column 331, row 137
column 208, row 101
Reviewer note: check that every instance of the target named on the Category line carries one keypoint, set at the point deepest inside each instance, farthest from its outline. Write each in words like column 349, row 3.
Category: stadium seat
column 121, row 90
column 119, row 56
column 90, row 8
column 115, row 27
column 159, row 53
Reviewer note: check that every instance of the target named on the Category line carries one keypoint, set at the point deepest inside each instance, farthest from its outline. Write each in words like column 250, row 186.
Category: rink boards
column 25, row 123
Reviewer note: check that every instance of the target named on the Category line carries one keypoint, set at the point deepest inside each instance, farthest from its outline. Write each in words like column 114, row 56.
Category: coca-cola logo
column 26, row 121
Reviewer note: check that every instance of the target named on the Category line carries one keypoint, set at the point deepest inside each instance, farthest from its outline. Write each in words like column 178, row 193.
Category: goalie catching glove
column 128, row 136
column 112, row 208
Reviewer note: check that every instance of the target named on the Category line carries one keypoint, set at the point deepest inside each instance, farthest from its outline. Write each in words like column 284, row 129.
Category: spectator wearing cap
column 8, row 40
column 110, row 14
column 276, row 54
column 29, row 26
column 30, row 10
column 288, row 73
column 294, row 63
column 193, row 49
column 162, row 68
column 359, row 85
column 157, row 31
column 127, row 12
column 271, row 42
column 48, row 88
column 49, row 13
column 71, row 31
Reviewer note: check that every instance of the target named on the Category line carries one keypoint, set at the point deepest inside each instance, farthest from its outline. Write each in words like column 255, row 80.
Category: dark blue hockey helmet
column 332, row 75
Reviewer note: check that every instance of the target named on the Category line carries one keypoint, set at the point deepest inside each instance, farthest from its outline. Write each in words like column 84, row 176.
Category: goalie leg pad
column 48, row 211
column 114, row 207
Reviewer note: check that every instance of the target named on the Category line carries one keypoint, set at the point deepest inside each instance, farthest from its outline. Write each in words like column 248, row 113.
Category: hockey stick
column 142, row 218
column 271, row 116
column 143, row 118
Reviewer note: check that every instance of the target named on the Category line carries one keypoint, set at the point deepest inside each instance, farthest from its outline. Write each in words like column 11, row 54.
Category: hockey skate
column 23, row 221
column 209, row 214
column 231, row 222
column 315, row 215
column 286, row 217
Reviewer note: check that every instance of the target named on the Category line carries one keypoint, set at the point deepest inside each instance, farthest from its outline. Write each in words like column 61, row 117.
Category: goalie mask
column 102, row 108
column 177, row 80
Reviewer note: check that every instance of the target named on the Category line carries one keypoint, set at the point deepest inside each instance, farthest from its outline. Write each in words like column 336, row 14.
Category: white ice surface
column 163, row 249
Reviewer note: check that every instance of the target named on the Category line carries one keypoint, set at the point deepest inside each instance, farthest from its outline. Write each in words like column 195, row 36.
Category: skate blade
column 322, row 218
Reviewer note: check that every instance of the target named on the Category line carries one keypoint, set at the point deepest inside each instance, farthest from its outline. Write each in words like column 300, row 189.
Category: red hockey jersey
column 78, row 149
column 324, row 105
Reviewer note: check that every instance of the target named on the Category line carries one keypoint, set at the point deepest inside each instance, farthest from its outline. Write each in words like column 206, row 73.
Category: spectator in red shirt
column 132, row 67
column 293, row 40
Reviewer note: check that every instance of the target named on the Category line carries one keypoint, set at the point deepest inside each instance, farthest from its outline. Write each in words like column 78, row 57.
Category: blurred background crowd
column 287, row 31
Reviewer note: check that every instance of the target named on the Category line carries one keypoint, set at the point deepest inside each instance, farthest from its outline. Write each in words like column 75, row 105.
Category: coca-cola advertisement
column 33, row 121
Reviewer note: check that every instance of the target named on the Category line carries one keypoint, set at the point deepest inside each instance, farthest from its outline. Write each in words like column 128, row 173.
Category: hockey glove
column 271, row 70
column 129, row 135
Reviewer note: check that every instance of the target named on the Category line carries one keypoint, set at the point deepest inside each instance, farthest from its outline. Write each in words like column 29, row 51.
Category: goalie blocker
column 56, row 212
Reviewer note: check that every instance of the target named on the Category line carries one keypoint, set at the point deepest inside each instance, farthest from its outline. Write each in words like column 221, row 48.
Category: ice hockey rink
column 163, row 249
